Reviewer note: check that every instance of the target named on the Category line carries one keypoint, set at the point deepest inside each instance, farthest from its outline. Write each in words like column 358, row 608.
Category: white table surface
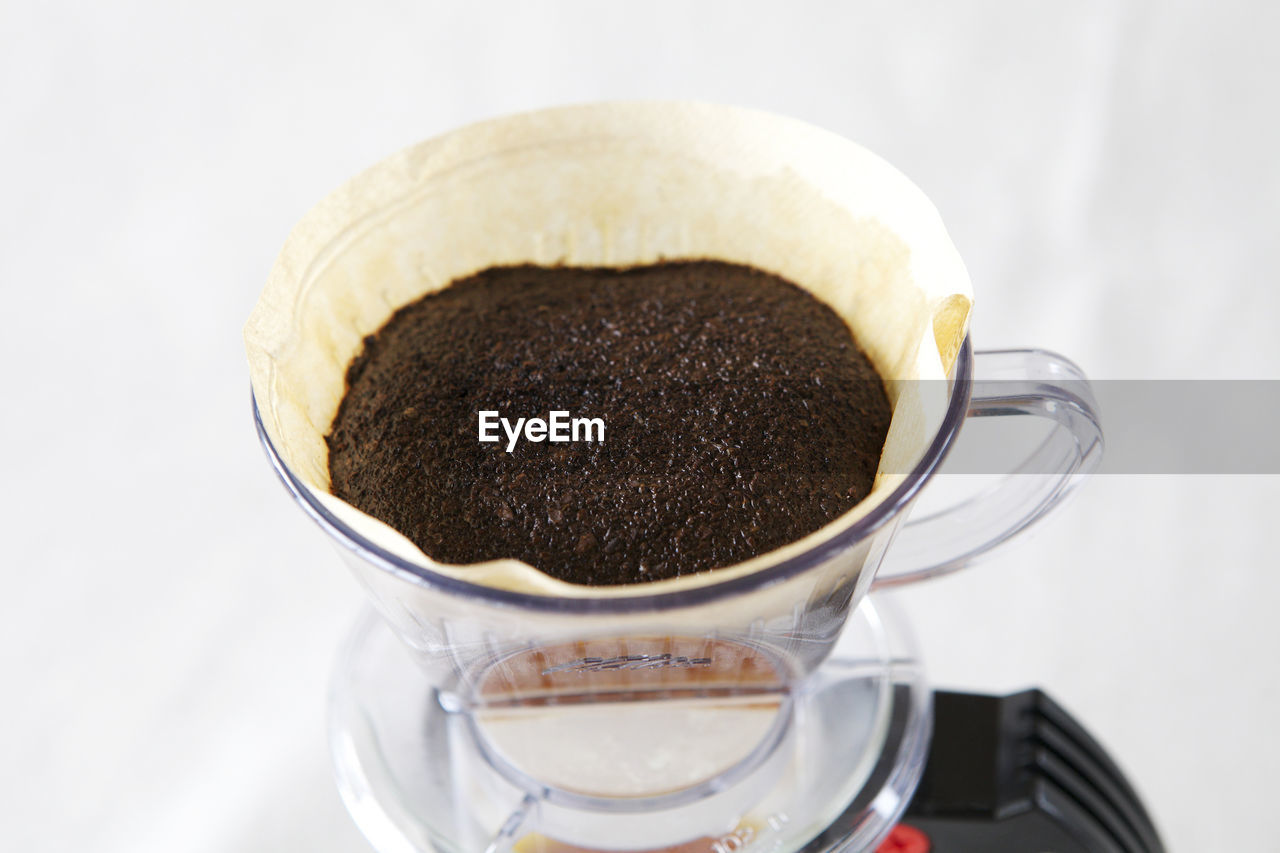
column 1108, row 170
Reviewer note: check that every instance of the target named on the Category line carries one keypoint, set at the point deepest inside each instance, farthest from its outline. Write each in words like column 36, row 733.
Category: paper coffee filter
column 613, row 184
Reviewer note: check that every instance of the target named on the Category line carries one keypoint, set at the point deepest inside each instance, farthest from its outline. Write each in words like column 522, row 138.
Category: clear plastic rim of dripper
column 960, row 382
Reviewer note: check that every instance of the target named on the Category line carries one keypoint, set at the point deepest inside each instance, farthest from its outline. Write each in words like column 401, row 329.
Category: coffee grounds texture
column 740, row 415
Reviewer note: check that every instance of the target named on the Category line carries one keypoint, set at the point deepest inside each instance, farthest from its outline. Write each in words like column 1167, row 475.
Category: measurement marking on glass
column 746, row 835
column 663, row 661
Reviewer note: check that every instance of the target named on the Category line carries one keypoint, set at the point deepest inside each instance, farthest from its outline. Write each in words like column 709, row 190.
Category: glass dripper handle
column 1007, row 383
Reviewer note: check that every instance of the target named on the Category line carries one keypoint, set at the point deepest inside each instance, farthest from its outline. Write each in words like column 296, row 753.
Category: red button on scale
column 905, row 839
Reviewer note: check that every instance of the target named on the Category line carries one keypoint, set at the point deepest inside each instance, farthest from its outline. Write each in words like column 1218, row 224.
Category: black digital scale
column 1018, row 774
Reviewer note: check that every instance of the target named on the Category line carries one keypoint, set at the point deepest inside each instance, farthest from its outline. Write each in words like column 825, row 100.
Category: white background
column 1108, row 170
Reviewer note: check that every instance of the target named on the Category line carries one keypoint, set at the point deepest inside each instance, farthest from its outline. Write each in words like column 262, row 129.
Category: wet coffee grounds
column 739, row 416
